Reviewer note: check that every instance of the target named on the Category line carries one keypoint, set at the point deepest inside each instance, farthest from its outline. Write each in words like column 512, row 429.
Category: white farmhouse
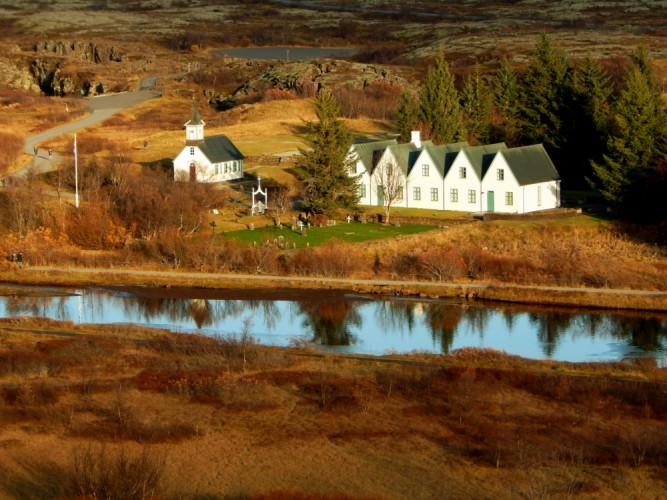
column 206, row 159
column 458, row 177
column 464, row 174
column 521, row 180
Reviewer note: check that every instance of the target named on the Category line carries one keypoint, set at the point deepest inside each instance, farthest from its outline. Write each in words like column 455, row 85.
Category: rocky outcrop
column 326, row 73
column 52, row 81
column 16, row 76
column 97, row 53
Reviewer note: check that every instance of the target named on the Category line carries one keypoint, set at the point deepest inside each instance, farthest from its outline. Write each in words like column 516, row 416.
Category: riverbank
column 641, row 300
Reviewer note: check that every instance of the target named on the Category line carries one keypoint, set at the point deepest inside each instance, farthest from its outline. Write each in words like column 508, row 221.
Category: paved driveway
column 100, row 108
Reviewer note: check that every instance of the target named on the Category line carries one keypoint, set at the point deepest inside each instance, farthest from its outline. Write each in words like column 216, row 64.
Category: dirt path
column 592, row 297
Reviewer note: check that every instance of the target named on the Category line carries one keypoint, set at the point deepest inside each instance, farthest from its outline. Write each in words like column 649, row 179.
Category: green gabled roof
column 366, row 150
column 439, row 153
column 481, row 156
column 406, row 154
column 531, row 164
column 219, row 149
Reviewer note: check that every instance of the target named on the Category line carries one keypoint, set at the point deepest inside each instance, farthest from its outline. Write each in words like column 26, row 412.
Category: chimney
column 415, row 139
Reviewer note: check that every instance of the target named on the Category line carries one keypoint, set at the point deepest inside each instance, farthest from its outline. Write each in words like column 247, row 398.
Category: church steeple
column 194, row 127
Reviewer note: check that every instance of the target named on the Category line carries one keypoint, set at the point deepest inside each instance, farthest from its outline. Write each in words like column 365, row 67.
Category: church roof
column 195, row 117
column 219, row 148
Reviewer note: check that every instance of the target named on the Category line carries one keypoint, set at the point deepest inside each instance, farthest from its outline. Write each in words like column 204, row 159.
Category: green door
column 380, row 196
column 489, row 201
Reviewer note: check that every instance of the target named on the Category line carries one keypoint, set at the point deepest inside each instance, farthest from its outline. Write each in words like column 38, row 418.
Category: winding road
column 100, row 108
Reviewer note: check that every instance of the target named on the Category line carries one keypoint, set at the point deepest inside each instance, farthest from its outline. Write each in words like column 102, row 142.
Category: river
column 348, row 323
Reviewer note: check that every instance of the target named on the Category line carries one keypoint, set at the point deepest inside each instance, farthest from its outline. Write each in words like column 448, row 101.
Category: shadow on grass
column 33, row 478
column 165, row 165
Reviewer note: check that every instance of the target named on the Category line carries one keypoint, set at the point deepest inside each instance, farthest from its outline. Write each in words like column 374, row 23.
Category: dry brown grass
column 225, row 417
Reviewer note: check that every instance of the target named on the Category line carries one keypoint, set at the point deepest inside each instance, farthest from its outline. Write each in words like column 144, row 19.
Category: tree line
column 602, row 133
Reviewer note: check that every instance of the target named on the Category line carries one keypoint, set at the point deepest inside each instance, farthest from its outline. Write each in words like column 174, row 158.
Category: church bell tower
column 194, row 127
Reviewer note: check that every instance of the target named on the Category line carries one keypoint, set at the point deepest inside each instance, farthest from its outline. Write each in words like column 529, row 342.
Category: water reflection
column 357, row 324
column 330, row 322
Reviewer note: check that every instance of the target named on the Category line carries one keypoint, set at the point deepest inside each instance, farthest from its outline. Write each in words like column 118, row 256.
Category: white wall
column 416, row 178
column 375, row 179
column 363, row 178
column 206, row 171
column 500, row 188
column 471, row 183
column 529, row 198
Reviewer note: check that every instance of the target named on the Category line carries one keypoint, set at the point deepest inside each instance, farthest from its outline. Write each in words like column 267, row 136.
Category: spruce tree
column 324, row 167
column 586, row 120
column 406, row 116
column 439, row 107
column 632, row 150
column 506, row 103
column 544, row 87
column 476, row 105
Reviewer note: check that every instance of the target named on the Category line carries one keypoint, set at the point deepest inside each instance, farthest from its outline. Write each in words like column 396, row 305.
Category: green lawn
column 352, row 232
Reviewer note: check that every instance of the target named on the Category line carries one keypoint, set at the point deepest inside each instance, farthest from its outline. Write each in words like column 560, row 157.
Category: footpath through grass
column 353, row 232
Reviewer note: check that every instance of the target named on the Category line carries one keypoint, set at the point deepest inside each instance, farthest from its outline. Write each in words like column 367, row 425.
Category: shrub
column 11, row 146
column 116, row 474
column 442, row 263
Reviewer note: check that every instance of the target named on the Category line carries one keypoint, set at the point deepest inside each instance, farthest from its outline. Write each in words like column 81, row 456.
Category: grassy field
column 354, row 232
column 181, row 416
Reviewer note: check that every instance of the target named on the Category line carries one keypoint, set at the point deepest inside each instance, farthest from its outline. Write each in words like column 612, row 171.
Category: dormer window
column 192, row 151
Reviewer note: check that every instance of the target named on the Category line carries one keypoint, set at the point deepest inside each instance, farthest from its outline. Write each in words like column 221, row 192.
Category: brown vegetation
column 182, row 415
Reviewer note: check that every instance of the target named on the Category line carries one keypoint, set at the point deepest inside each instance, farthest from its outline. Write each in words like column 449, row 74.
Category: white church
column 206, row 159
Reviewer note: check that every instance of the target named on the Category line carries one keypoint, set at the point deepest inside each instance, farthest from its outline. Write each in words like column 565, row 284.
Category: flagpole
column 76, row 177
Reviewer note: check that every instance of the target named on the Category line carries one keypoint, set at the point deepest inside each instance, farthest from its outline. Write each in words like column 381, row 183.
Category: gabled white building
column 465, row 170
column 459, row 177
column 521, row 180
column 206, row 159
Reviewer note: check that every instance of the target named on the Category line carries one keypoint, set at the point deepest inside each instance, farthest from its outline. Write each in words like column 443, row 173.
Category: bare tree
column 391, row 182
column 280, row 202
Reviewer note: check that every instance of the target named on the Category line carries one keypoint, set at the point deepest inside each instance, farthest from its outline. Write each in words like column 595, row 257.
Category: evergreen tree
column 641, row 60
column 406, row 116
column 544, row 88
column 586, row 119
column 632, row 148
column 324, row 167
column 476, row 106
column 506, row 102
column 439, row 108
